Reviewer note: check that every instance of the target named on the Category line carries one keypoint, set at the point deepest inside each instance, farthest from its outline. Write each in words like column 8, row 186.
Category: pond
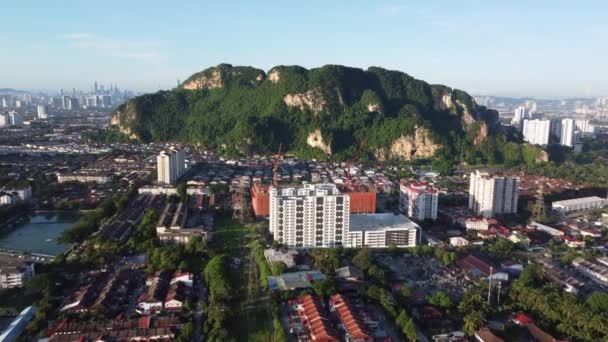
column 39, row 234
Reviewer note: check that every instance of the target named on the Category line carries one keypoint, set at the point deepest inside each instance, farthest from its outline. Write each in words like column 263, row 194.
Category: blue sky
column 514, row 48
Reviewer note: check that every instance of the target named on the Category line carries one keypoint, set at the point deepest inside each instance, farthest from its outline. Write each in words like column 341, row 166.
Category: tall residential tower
column 418, row 201
column 313, row 215
column 491, row 195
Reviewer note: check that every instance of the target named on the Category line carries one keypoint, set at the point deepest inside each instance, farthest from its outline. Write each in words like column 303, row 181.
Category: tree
column 472, row 322
column 402, row 319
column 473, row 302
column 182, row 192
column 410, row 331
column 324, row 288
column 279, row 332
column 598, row 302
column 378, row 275
column 278, row 267
column 186, row 332
column 364, row 259
column 448, row 258
column 440, row 299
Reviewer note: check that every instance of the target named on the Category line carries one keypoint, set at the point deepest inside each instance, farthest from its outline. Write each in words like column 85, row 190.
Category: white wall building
column 568, row 137
column 170, row 165
column 15, row 119
column 520, row 114
column 14, row 273
column 381, row 231
column 313, row 215
column 41, row 111
column 477, row 223
column 584, row 126
column 537, row 131
column 418, row 200
column 596, row 271
column 579, row 204
column 491, row 195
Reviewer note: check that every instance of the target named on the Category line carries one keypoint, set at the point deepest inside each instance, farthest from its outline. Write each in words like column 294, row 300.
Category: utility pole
column 490, row 284
column 499, row 287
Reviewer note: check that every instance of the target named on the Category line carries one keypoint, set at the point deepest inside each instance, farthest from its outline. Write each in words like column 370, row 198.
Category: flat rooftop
column 582, row 200
column 382, row 221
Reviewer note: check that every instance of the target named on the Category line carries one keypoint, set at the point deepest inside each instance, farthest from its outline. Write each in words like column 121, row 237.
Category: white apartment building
column 491, row 195
column 15, row 119
column 170, row 165
column 313, row 215
column 584, row 126
column 418, row 200
column 381, row 231
column 41, row 111
column 568, row 137
column 537, row 131
column 519, row 115
column 13, row 274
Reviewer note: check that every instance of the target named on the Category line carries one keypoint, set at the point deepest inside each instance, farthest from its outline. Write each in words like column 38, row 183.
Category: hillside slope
column 322, row 111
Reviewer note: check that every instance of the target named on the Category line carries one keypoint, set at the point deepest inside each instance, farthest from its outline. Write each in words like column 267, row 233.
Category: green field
column 252, row 319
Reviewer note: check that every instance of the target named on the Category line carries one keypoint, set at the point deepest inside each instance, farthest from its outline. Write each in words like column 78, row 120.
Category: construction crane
column 348, row 165
column 275, row 168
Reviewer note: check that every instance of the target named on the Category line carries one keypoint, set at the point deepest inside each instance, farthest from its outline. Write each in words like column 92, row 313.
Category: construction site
column 360, row 190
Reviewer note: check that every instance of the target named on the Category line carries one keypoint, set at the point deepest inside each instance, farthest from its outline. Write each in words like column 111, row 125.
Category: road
column 199, row 314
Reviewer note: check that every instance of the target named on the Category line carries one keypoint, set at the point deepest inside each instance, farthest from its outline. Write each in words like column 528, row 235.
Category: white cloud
column 146, row 52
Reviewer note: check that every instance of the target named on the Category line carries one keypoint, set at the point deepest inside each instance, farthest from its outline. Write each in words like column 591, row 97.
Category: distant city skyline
column 543, row 49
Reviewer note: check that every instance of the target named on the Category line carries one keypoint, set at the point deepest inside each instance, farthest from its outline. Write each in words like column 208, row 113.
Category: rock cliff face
column 315, row 139
column 245, row 109
column 543, row 157
column 311, row 100
column 409, row 147
column 127, row 114
column 214, row 80
column 274, row 76
column 373, row 107
column 481, row 135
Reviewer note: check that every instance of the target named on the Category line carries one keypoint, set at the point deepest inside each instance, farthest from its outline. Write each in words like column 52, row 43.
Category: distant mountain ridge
column 326, row 111
column 11, row 91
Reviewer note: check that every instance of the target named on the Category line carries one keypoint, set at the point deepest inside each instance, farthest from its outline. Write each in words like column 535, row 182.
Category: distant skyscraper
column 537, row 131
column 567, row 137
column 66, row 102
column 15, row 118
column 4, row 103
column 41, row 109
column 519, row 115
column 490, row 195
column 531, row 106
column 418, row 201
column 95, row 87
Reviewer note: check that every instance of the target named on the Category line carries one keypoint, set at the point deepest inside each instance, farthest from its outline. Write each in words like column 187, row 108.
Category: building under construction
column 260, row 200
column 362, row 199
